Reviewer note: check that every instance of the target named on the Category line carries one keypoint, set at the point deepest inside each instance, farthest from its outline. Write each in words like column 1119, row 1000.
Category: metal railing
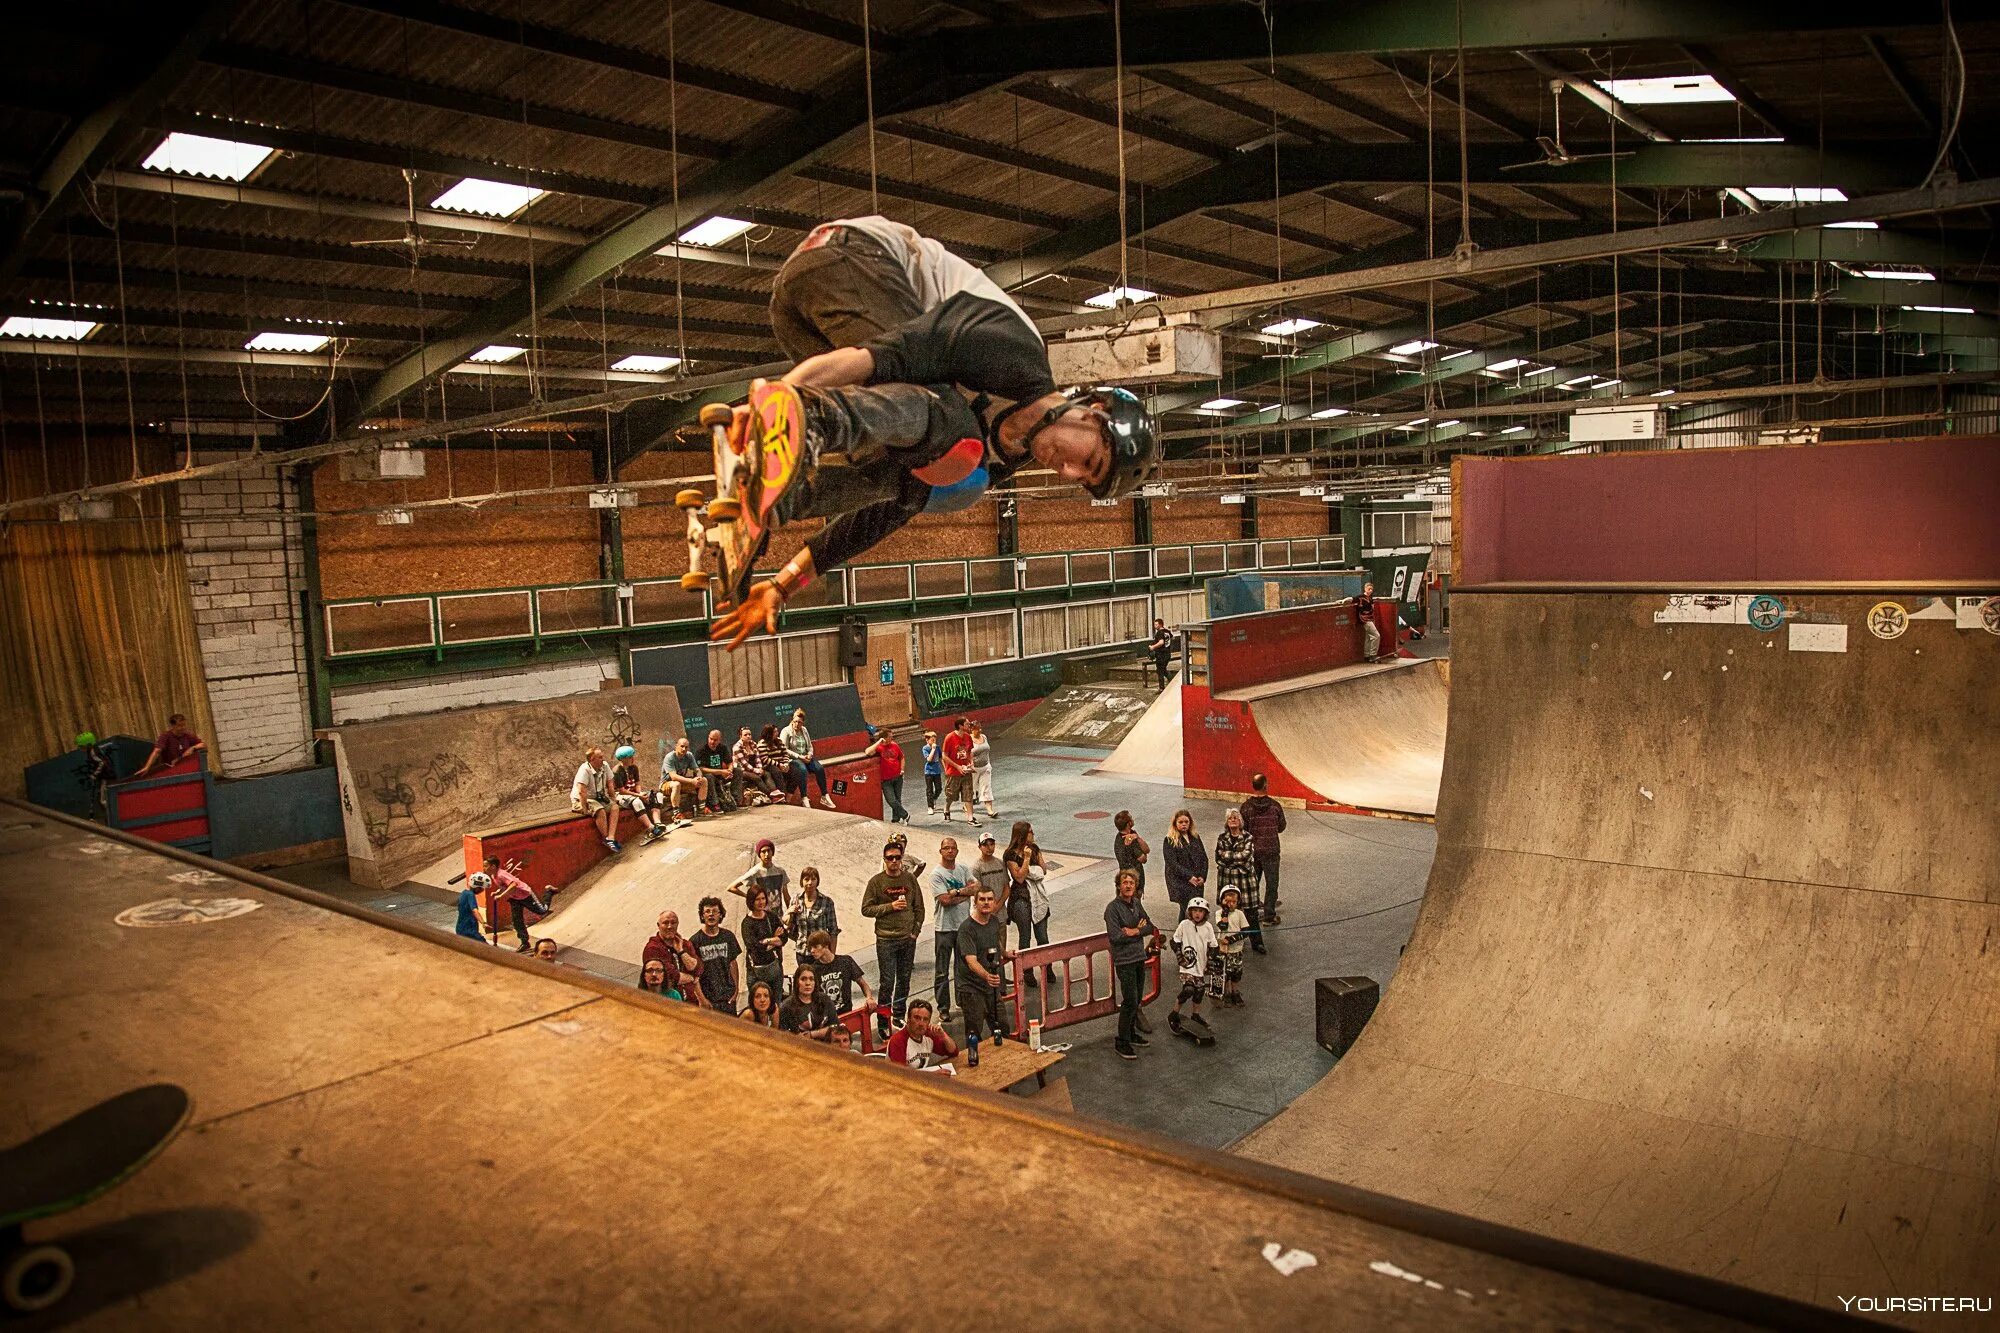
column 530, row 613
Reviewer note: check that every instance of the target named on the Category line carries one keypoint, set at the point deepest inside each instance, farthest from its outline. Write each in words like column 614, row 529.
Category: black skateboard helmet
column 1129, row 432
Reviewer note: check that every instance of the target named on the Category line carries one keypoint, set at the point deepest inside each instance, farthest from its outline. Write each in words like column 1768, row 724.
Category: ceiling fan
column 1553, row 152
column 412, row 241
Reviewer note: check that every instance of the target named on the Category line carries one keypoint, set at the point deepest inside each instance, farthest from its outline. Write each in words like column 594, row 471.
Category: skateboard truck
column 706, row 517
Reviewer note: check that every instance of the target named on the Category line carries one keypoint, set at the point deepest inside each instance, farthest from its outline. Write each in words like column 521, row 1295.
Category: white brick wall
column 245, row 567
column 367, row 703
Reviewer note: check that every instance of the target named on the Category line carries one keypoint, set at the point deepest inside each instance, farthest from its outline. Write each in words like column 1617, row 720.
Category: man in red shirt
column 176, row 743
column 672, row 949
column 883, row 746
column 958, row 769
column 919, row 1043
column 520, row 899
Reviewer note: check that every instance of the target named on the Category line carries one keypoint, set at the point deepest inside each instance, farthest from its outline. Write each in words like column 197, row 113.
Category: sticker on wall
column 1765, row 612
column 1805, row 638
column 1702, row 608
column 888, row 671
column 1934, row 608
column 1887, row 620
column 1396, row 588
column 185, row 911
column 1970, row 612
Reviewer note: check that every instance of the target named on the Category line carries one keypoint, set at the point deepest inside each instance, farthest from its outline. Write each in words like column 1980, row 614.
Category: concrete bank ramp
column 1708, row 971
column 1097, row 714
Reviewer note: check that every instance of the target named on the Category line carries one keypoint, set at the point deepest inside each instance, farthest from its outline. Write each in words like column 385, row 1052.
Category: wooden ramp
column 1368, row 736
column 1708, row 972
column 398, row 1129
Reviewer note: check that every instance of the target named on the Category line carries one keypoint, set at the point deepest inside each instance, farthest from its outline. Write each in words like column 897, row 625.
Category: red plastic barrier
column 1059, row 1006
column 1277, row 645
column 860, row 1021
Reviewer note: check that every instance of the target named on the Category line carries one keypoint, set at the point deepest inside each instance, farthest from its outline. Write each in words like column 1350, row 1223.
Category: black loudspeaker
column 853, row 641
column 1341, row 1006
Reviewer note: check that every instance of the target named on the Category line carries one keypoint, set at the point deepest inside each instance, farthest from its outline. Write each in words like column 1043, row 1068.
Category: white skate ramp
column 1151, row 751
column 1373, row 740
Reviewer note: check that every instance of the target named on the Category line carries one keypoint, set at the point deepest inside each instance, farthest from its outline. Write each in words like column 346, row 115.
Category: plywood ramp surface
column 1373, row 739
column 1151, row 751
column 396, row 1130
column 1708, row 971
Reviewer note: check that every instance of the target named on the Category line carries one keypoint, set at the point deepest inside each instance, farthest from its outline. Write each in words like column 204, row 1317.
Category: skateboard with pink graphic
column 756, row 462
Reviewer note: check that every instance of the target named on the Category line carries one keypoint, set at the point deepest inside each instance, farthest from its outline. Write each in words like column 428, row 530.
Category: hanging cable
column 1465, row 247
column 1118, row 104
column 868, row 89
column 674, row 171
column 1953, row 89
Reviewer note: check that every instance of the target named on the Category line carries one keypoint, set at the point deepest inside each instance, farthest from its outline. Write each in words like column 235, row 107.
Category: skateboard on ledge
column 752, row 474
column 86, row 1156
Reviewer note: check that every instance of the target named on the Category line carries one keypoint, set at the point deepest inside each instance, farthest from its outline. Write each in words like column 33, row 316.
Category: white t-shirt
column 593, row 781
column 1235, row 923
column 1191, row 946
column 935, row 272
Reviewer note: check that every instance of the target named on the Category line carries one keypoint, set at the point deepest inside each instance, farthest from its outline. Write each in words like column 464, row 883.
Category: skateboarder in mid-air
column 945, row 393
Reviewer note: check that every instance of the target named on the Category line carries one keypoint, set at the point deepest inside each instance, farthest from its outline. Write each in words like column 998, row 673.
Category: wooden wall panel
column 1072, row 523
column 1292, row 518
column 1202, row 519
column 537, row 539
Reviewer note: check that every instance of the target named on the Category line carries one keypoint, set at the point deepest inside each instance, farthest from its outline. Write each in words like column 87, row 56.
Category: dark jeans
column 518, row 909
column 933, row 788
column 725, row 790
column 944, row 944
column 894, row 958
column 818, row 770
column 1267, row 871
column 840, row 293
column 1131, row 985
column 1160, row 661
column 892, row 796
column 982, row 1012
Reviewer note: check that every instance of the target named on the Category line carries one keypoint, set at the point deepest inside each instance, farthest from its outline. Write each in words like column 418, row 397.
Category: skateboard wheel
column 717, row 414
column 36, row 1278
column 725, row 511
column 693, row 582
column 690, row 499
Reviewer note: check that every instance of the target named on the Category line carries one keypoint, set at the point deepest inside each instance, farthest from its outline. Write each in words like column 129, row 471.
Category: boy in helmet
column 877, row 447
column 632, row 796
column 476, row 886
column 1194, row 938
column 1231, row 934
column 520, row 898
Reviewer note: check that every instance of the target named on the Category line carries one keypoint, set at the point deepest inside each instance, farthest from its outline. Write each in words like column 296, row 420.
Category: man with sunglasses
column 895, row 902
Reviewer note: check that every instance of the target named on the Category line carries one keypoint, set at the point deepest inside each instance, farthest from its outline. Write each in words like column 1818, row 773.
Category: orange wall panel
column 1202, row 519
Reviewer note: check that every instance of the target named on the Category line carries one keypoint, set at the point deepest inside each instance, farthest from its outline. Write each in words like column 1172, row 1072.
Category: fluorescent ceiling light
column 1453, row 356
column 1661, row 393
column 495, row 354
column 1662, row 91
column 1453, row 422
column 1220, row 404
column 1742, row 138
column 1580, row 379
column 287, row 342
column 1538, row 370
column 199, row 155
column 1285, row 328
column 1413, row 425
column 1106, row 300
column 1511, row 363
column 652, row 364
column 1514, row 430
column 716, row 231
column 1798, row 194
column 1854, row 226
column 1900, row 274
column 1412, row 347
column 56, row 330
column 1927, row 309
column 1326, row 412
column 494, row 199
column 1605, row 383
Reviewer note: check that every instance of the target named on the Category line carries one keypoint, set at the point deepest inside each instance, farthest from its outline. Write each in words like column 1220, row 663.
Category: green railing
column 659, row 609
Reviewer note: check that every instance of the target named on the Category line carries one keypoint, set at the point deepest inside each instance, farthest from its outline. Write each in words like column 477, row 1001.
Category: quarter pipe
column 1708, row 971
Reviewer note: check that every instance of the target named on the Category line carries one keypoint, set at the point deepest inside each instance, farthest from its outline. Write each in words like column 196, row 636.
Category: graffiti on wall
column 941, row 692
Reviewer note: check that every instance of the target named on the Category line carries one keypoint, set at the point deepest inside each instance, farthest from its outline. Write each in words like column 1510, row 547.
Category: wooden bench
column 1012, row 1063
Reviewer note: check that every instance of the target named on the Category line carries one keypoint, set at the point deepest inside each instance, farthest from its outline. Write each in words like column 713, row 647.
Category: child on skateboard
column 1232, row 933
column 1194, row 939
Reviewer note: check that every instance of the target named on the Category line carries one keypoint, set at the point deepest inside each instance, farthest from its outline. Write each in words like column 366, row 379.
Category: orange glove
column 759, row 610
